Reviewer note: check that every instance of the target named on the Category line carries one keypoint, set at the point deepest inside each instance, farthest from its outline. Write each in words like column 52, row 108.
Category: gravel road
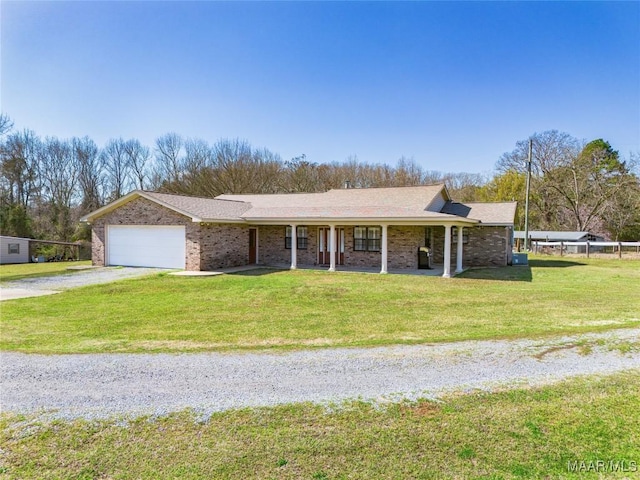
column 37, row 286
column 129, row 385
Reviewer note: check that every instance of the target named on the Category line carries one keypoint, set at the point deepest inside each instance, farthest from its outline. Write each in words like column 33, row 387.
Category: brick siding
column 145, row 212
column 224, row 246
column 486, row 246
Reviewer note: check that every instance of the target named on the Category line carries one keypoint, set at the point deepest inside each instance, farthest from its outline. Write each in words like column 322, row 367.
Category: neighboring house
column 14, row 250
column 372, row 227
column 560, row 236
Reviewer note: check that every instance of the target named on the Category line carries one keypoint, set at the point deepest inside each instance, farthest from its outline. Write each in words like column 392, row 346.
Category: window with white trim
column 14, row 248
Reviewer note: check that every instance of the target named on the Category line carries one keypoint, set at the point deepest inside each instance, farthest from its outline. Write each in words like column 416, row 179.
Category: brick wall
column 403, row 244
column 224, row 246
column 487, row 246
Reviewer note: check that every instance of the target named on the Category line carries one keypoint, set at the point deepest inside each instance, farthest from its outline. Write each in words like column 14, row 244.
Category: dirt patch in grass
column 556, row 348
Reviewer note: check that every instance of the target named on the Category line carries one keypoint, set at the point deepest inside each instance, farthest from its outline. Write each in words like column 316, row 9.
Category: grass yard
column 301, row 309
column 29, row 270
column 557, row 431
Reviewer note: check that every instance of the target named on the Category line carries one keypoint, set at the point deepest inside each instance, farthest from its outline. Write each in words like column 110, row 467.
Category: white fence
column 587, row 247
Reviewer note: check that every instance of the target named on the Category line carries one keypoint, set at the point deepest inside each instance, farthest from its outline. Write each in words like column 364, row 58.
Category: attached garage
column 146, row 245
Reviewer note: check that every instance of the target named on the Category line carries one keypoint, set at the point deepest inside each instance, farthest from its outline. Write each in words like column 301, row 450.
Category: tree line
column 48, row 183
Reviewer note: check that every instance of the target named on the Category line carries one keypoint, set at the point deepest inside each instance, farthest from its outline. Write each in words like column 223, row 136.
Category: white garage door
column 146, row 246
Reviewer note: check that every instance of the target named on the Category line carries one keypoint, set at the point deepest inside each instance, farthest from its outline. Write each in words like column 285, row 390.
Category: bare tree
column 301, row 175
column 90, row 173
column 137, row 159
column 465, row 187
column 551, row 150
column 197, row 177
column 117, row 168
column 169, row 159
column 59, row 172
column 5, row 124
column 594, row 179
column 407, row 173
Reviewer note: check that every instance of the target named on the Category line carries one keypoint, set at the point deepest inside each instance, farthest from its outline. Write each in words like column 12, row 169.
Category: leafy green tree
column 15, row 220
column 507, row 187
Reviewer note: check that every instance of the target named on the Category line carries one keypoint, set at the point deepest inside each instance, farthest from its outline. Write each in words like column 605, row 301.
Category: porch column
column 332, row 248
column 294, row 242
column 383, row 268
column 459, row 251
column 447, row 251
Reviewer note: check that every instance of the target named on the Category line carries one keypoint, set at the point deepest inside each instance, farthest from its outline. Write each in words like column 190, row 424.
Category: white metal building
column 14, row 250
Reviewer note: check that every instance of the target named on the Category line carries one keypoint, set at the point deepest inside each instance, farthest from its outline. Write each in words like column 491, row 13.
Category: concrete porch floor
column 435, row 271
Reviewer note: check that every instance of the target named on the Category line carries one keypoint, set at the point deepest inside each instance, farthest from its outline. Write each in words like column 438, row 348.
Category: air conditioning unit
column 520, row 259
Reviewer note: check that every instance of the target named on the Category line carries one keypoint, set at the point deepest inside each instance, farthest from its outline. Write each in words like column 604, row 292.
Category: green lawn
column 526, row 433
column 29, row 270
column 301, row 309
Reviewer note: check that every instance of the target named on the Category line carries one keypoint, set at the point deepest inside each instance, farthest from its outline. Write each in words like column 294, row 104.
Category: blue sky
column 451, row 84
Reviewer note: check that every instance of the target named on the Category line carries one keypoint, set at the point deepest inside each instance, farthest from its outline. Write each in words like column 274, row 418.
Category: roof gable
column 197, row 208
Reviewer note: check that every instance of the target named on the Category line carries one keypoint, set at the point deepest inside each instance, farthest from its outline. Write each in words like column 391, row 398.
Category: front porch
column 377, row 248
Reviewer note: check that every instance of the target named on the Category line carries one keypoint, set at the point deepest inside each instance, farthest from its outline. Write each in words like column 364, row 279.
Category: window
column 360, row 238
column 14, row 248
column 303, row 237
column 301, row 241
column 428, row 237
column 367, row 239
column 454, row 235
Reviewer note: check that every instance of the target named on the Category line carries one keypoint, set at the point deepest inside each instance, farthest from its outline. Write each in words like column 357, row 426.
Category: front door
column 324, row 254
column 253, row 245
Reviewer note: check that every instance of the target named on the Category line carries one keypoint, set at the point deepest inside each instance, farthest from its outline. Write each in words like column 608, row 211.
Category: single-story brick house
column 369, row 227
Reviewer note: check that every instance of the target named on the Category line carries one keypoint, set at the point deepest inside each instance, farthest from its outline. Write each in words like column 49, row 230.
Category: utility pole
column 526, row 202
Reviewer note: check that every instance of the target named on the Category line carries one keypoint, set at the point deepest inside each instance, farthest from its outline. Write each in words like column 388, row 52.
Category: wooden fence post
column 619, row 249
column 587, row 248
column 561, row 248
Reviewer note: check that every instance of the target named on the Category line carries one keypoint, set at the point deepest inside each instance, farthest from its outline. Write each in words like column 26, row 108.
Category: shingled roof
column 417, row 197
column 199, row 209
column 495, row 213
column 417, row 202
column 423, row 203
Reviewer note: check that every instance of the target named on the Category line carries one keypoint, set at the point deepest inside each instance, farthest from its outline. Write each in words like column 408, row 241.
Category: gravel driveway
column 36, row 286
column 108, row 385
